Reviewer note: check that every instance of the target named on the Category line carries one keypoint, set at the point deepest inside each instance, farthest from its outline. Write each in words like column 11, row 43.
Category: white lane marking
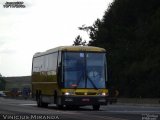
column 135, row 112
column 28, row 104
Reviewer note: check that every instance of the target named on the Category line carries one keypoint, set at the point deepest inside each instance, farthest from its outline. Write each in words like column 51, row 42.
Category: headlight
column 69, row 93
column 66, row 93
column 102, row 94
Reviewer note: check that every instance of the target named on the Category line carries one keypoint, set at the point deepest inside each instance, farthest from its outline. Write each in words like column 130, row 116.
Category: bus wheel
column 96, row 107
column 40, row 103
column 75, row 107
column 45, row 105
column 60, row 107
column 72, row 107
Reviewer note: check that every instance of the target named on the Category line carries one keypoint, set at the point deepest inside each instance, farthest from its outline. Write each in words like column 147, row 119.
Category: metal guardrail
column 139, row 100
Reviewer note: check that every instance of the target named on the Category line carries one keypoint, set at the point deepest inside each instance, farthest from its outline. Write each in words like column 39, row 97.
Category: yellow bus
column 70, row 76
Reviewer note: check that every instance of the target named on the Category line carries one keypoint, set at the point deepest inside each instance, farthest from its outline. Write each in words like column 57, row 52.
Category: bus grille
column 85, row 93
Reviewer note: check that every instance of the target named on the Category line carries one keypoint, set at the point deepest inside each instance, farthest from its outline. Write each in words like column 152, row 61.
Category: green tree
column 91, row 30
column 130, row 32
column 78, row 41
column 2, row 83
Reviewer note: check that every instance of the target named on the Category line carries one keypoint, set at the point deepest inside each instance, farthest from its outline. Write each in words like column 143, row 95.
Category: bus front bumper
column 86, row 100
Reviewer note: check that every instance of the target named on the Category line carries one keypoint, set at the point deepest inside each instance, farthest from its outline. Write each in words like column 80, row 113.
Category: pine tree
column 78, row 41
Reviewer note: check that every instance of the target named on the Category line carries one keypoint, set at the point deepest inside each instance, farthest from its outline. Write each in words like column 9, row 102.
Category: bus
column 70, row 76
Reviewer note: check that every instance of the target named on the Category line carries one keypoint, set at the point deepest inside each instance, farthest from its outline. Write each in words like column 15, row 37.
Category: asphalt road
column 26, row 109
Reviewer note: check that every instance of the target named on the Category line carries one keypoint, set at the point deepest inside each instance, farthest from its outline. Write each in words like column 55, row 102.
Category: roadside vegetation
column 130, row 32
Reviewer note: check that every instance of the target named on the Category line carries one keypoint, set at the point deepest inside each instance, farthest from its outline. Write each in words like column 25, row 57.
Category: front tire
column 40, row 103
column 96, row 107
column 72, row 107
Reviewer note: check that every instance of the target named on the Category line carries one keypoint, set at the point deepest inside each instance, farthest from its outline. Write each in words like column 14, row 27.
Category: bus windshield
column 84, row 70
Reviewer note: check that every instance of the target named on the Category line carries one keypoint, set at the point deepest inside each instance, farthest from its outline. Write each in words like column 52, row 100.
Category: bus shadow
column 82, row 108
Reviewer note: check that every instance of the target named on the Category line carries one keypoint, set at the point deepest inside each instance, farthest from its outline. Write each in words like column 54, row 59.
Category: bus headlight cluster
column 68, row 93
column 102, row 94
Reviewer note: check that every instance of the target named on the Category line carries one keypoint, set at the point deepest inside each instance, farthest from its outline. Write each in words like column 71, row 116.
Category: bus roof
column 71, row 48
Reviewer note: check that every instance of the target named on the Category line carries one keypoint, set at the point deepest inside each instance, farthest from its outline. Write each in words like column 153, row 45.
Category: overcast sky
column 42, row 25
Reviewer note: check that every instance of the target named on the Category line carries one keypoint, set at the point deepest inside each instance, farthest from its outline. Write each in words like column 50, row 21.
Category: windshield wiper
column 92, row 82
column 80, row 78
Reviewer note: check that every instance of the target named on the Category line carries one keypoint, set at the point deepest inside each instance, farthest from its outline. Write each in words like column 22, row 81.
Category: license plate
column 85, row 99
